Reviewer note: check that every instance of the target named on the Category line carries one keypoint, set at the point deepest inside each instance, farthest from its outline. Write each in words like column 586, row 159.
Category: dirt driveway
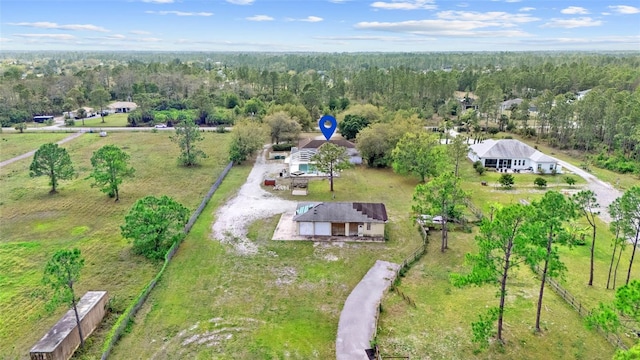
column 250, row 204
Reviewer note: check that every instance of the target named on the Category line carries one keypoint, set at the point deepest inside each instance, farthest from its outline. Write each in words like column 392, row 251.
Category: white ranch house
column 513, row 155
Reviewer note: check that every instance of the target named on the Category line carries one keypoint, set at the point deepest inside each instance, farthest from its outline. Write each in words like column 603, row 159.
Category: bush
column 69, row 122
column 493, row 130
column 477, row 164
column 282, row 147
column 480, row 170
column 540, row 182
column 569, row 180
column 506, row 180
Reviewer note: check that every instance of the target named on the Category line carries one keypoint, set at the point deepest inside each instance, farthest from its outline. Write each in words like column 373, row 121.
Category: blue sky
column 320, row 25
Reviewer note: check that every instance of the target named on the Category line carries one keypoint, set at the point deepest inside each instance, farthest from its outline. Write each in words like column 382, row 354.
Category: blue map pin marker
column 327, row 125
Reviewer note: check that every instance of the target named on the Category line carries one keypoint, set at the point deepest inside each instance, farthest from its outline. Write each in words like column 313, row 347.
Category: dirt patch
column 250, row 204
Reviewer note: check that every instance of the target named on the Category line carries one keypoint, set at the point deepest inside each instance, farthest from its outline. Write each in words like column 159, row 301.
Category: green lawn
column 14, row 144
column 112, row 120
column 35, row 224
column 284, row 302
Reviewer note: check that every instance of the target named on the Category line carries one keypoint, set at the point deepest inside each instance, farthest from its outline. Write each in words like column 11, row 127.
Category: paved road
column 30, row 153
column 357, row 323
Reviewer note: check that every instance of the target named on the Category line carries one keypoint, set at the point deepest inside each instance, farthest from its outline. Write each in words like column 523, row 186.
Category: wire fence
column 123, row 321
column 613, row 339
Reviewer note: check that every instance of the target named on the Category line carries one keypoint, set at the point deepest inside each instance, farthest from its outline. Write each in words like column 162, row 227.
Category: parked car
column 161, row 126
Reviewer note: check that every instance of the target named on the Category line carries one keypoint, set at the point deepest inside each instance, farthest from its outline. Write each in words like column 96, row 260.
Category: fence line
column 123, row 321
column 613, row 339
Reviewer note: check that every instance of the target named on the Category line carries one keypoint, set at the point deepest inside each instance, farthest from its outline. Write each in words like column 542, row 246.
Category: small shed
column 63, row 338
column 269, row 182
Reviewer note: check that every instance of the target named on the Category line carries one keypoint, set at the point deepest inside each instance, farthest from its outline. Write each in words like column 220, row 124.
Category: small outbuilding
column 341, row 219
column 63, row 338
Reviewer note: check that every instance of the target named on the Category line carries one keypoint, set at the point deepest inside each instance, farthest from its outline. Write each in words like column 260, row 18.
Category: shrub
column 480, row 170
column 569, row 180
column 493, row 130
column 506, row 181
column 477, row 164
column 282, row 147
column 540, row 182
column 69, row 122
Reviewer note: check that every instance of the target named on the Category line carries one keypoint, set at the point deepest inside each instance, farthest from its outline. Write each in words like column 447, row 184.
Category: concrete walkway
column 357, row 324
column 30, row 153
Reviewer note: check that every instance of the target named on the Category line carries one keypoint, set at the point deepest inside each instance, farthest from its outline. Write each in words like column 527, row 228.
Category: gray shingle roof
column 509, row 149
column 341, row 212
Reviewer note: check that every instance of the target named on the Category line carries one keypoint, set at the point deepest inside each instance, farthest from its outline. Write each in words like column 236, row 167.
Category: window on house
column 368, row 226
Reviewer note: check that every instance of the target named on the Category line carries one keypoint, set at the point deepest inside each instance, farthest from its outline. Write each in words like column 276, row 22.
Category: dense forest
column 589, row 102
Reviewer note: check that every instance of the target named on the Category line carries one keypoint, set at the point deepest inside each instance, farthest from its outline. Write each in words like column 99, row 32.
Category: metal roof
column 341, row 212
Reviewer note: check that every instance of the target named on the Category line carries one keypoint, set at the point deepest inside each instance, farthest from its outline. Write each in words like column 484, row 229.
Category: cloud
column 240, row 2
column 441, row 27
column 624, row 9
column 179, row 13
column 158, row 1
column 575, row 10
column 572, row 23
column 493, row 18
column 312, row 19
column 140, row 32
column 47, row 36
column 4, row 39
column 525, row 9
column 405, row 5
column 116, row 37
column 260, row 18
column 393, row 39
column 52, row 25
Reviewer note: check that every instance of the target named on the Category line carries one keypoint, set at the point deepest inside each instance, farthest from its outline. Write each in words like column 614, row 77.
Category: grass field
column 440, row 326
column 35, row 224
column 14, row 144
column 284, row 302
column 112, row 120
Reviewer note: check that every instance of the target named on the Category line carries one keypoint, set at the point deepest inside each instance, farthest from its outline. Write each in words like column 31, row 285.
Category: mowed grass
column 35, row 224
column 111, row 120
column 283, row 302
column 440, row 327
column 15, row 144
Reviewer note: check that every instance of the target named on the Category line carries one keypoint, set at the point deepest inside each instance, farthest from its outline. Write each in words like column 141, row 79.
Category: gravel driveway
column 250, row 204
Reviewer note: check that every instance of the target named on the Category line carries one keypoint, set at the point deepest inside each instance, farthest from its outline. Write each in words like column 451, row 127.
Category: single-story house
column 122, row 106
column 512, row 154
column 300, row 159
column 506, row 105
column 341, row 219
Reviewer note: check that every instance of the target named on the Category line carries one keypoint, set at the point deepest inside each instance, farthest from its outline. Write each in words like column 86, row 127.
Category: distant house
column 506, row 105
column 300, row 159
column 512, row 154
column 581, row 94
column 341, row 219
column 122, row 106
column 468, row 103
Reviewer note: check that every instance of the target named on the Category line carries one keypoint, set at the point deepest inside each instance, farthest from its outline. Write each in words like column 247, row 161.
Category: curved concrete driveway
column 357, row 324
column 605, row 193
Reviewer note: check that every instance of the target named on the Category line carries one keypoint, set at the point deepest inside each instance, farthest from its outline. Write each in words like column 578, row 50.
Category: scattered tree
column 586, row 202
column 458, row 150
column 351, row 125
column 110, row 167
column 21, row 127
column 246, row 139
column 419, row 155
column 546, row 230
column 154, row 225
column 61, row 272
column 501, row 248
column 506, row 180
column 331, row 158
column 442, row 196
column 53, row 161
column 619, row 242
column 81, row 114
column 630, row 204
column 540, row 182
column 186, row 136
column 283, row 127
column 100, row 97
